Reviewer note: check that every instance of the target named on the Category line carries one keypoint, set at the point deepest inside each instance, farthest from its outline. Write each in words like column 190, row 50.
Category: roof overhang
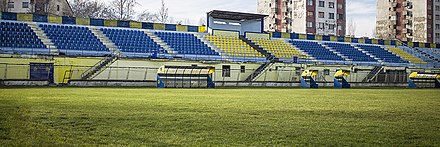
column 228, row 15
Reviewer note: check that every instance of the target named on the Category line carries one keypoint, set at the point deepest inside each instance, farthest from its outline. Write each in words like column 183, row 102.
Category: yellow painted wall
column 361, row 40
column 202, row 29
column 347, row 39
column 55, row 19
column 433, row 45
column 182, row 28
column 285, row 35
column 375, row 41
column 422, row 45
column 110, row 23
column 387, row 42
column 25, row 17
column 411, row 44
column 159, row 26
column 82, row 21
column 333, row 38
column 134, row 24
column 302, row 36
column 318, row 37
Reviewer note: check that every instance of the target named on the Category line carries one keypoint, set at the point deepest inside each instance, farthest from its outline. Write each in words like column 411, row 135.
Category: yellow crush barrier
column 233, row 46
column 279, row 48
column 407, row 56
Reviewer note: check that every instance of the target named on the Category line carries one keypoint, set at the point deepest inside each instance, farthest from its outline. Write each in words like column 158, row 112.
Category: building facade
column 408, row 20
column 43, row 7
column 322, row 17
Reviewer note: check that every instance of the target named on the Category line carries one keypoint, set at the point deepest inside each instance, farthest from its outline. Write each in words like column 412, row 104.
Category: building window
column 437, row 8
column 331, row 5
column 25, row 5
column 340, row 16
column 331, row 27
column 310, row 2
column 437, row 26
column 58, row 7
column 340, row 6
column 309, row 13
column 321, row 14
column 331, row 16
column 437, row 17
column 321, row 4
column 310, row 24
column 226, row 71
column 339, row 28
column 10, row 4
column 321, row 25
column 437, row 35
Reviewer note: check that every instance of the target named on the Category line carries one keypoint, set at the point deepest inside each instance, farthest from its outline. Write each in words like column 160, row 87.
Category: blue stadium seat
column 18, row 37
column 350, row 52
column 382, row 54
column 185, row 43
column 133, row 41
column 75, row 40
column 316, row 50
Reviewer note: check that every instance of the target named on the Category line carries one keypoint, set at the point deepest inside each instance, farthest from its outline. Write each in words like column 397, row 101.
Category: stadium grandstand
column 96, row 52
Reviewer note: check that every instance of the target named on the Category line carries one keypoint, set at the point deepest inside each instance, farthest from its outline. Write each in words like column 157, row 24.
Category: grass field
column 232, row 117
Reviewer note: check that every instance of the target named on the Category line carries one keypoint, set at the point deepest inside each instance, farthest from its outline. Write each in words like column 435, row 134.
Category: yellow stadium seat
column 233, row 46
column 407, row 56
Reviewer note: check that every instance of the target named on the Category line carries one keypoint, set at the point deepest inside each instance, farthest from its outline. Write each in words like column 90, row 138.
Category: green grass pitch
column 219, row 117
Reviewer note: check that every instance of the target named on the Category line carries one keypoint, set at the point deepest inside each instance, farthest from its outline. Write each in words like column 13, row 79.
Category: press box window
column 243, row 69
column 226, row 71
column 326, row 72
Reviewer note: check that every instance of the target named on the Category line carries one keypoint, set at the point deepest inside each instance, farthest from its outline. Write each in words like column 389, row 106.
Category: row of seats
column 350, row 52
column 132, row 41
column 382, row 54
column 76, row 38
column 279, row 48
column 233, row 46
column 316, row 50
column 19, row 35
column 184, row 43
column 406, row 56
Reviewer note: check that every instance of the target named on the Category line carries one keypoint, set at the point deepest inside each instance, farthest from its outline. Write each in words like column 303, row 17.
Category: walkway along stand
column 308, row 79
column 424, row 80
column 185, row 77
column 340, row 81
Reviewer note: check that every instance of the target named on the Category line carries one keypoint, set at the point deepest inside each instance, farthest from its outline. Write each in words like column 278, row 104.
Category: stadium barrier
column 424, row 80
column 340, row 81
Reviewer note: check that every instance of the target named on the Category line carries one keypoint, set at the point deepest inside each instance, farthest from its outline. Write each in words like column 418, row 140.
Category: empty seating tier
column 74, row 40
column 407, row 56
column 279, row 48
column 382, row 54
column 18, row 35
column 351, row 52
column 133, row 41
column 316, row 50
column 233, row 46
column 185, row 43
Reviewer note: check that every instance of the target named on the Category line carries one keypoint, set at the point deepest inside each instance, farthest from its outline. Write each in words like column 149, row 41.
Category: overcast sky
column 362, row 12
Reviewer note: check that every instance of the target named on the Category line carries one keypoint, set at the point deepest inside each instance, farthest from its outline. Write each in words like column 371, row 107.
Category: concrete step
column 42, row 36
column 159, row 41
column 107, row 42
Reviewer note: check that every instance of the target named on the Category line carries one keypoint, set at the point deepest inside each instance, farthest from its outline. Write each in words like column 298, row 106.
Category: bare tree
column 124, row 9
column 351, row 28
column 90, row 9
column 146, row 16
column 3, row 5
column 187, row 21
column 202, row 21
column 162, row 15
